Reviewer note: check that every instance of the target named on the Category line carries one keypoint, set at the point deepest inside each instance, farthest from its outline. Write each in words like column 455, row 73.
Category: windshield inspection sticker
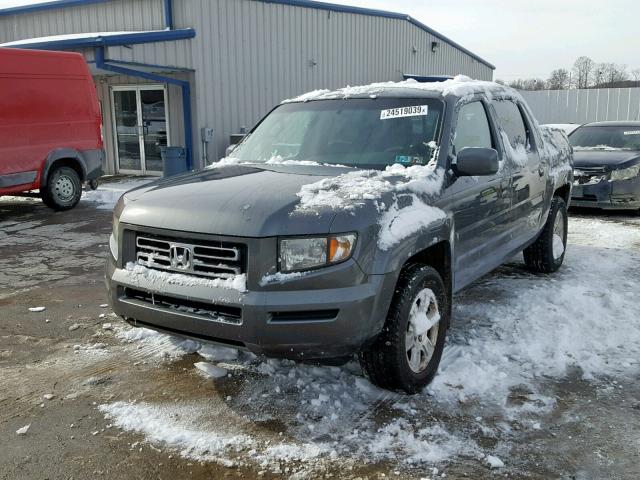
column 409, row 160
column 632, row 132
column 399, row 112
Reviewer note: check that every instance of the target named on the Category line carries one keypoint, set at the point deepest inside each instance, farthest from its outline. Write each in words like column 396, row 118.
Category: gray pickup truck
column 343, row 224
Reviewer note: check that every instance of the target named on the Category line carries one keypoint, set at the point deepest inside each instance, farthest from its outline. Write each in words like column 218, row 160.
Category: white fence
column 584, row 105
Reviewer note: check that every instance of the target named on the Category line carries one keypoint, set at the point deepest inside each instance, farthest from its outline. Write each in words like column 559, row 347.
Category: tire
column 389, row 362
column 546, row 254
column 63, row 189
column 93, row 184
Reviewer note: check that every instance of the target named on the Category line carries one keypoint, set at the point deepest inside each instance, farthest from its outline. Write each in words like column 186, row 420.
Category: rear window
column 606, row 138
column 511, row 121
column 366, row 133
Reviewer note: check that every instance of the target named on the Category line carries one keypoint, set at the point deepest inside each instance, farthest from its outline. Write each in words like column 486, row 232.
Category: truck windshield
column 364, row 133
column 606, row 138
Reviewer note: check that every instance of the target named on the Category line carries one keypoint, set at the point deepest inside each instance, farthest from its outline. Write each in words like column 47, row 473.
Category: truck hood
column 236, row 200
column 610, row 159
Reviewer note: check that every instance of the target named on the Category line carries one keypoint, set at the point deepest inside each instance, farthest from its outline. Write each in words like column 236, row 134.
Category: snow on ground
column 513, row 335
column 107, row 194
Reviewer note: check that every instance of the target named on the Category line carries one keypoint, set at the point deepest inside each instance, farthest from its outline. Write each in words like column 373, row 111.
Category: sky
column 530, row 38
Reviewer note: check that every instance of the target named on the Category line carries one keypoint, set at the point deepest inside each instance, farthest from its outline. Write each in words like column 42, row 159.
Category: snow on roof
column 70, row 36
column 459, row 86
column 23, row 3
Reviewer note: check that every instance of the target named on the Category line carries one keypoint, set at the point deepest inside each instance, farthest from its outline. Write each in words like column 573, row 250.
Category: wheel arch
column 63, row 157
column 564, row 192
column 437, row 256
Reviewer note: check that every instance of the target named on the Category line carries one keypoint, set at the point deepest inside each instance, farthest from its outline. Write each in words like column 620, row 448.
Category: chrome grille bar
column 215, row 261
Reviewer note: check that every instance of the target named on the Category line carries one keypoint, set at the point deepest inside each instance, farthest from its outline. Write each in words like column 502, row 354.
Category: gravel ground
column 539, row 378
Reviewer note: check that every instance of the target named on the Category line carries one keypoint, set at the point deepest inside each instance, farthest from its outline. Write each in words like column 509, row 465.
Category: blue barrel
column 174, row 160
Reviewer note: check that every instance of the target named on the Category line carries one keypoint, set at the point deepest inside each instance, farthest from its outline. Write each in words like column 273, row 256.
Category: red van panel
column 49, row 112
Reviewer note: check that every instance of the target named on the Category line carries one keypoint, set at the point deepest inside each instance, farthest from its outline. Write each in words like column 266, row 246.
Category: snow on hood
column 399, row 219
column 353, row 189
column 459, row 86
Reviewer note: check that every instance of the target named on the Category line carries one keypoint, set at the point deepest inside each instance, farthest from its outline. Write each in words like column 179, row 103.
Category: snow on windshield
column 600, row 147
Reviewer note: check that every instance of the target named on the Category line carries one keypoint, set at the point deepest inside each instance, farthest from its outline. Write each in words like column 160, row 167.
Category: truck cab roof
column 458, row 87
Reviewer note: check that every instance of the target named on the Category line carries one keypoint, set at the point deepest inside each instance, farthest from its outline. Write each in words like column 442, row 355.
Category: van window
column 510, row 119
column 473, row 127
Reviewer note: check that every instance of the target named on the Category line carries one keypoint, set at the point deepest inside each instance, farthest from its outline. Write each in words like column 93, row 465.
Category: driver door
column 480, row 204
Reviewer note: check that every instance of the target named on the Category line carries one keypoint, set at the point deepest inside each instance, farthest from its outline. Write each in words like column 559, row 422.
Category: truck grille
column 212, row 259
column 589, row 175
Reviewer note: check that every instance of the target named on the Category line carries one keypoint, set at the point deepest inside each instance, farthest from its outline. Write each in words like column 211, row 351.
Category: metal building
column 584, row 105
column 193, row 72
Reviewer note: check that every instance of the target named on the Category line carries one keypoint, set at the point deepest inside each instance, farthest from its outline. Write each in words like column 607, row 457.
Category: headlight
column 313, row 252
column 113, row 246
column 113, row 239
column 625, row 173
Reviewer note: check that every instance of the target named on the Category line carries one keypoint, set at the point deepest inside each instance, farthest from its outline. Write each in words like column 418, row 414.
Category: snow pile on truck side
column 460, row 86
column 398, row 223
column 557, row 149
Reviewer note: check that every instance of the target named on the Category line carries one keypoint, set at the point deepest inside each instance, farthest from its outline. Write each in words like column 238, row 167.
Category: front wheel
column 63, row 189
column 546, row 254
column 406, row 354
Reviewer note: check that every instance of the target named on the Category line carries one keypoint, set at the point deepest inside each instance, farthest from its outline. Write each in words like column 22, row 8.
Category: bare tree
column 609, row 74
column 559, row 79
column 635, row 74
column 528, row 84
column 582, row 69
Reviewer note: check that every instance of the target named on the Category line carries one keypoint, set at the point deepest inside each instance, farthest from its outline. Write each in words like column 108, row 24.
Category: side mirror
column 477, row 162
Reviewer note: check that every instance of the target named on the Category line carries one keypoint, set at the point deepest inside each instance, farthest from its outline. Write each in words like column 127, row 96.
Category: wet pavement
column 133, row 406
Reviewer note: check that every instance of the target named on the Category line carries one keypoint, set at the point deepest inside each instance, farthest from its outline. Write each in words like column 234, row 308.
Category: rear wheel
column 406, row 354
column 546, row 254
column 63, row 189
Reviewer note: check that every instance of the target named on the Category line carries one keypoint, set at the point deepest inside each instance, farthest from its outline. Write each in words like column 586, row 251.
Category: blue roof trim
column 36, row 7
column 112, row 40
column 378, row 13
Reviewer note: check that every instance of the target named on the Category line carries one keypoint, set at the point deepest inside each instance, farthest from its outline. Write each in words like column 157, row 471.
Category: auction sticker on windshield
column 398, row 112
column 629, row 132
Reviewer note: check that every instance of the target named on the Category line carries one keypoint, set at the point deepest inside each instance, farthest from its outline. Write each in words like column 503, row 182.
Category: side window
column 473, row 127
column 511, row 121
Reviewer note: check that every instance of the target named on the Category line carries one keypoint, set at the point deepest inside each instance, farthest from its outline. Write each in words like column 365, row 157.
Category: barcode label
column 398, row 112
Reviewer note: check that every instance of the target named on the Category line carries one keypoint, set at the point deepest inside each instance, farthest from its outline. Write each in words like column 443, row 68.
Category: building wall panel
column 584, row 105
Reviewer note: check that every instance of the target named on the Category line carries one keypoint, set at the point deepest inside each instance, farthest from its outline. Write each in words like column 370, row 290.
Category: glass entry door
column 141, row 127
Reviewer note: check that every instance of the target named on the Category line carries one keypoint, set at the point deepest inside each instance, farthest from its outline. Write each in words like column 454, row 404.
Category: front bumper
column 288, row 322
column 610, row 195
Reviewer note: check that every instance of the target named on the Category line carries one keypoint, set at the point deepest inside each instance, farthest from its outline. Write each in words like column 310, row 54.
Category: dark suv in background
column 344, row 223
